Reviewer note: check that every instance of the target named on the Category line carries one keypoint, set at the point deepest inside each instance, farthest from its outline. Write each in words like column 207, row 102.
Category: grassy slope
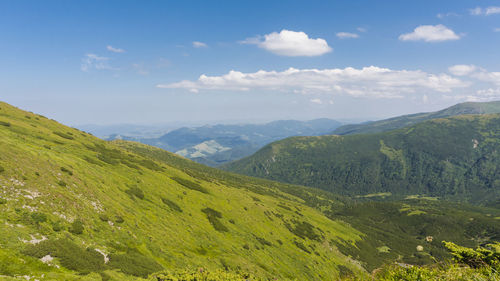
column 52, row 175
column 453, row 158
column 408, row 120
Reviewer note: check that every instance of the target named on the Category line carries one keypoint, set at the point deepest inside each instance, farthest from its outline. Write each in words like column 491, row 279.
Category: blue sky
column 108, row 62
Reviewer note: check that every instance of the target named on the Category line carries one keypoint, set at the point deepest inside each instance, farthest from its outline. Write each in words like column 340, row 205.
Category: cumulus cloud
column 93, row 61
column 290, row 43
column 346, row 35
column 316, row 101
column 115, row 50
column 361, row 29
column 478, row 11
column 430, row 33
column 461, row 69
column 198, row 44
column 365, row 82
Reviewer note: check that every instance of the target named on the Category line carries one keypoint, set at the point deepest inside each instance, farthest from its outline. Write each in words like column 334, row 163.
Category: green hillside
column 408, row 120
column 69, row 202
column 454, row 158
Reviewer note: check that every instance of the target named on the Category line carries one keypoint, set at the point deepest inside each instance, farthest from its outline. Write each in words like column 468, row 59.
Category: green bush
column 62, row 183
column 171, row 204
column 190, row 184
column 67, row 171
column 135, row 191
column 103, row 217
column 119, row 219
column 213, row 217
column 57, row 226
column 481, row 257
column 2, row 169
column 63, row 135
column 70, row 255
column 77, row 227
column 202, row 274
column 39, row 217
column 3, row 123
column 134, row 263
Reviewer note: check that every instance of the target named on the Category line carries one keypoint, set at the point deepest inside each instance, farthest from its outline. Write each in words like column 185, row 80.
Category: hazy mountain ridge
column 214, row 145
column 408, row 120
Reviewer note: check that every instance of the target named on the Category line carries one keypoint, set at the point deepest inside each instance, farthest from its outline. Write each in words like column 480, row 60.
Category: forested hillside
column 453, row 158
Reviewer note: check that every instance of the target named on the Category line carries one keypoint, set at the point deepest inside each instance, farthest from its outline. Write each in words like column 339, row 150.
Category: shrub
column 119, row 219
column 213, row 217
column 3, row 123
column 171, row 204
column 76, row 227
column 3, row 201
column 190, row 184
column 104, row 217
column 63, row 135
column 202, row 274
column 135, row 191
column 70, row 255
column 481, row 257
column 57, row 226
column 303, row 230
column 39, row 217
column 69, row 172
column 134, row 263
column 62, row 183
column 2, row 169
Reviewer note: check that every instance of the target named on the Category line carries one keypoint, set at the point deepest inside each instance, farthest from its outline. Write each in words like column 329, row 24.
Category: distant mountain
column 456, row 158
column 218, row 144
column 407, row 120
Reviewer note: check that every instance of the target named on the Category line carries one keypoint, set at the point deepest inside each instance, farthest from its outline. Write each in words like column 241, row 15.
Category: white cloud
column 461, row 69
column 361, row 29
column 492, row 10
column 445, row 15
column 365, row 82
column 115, row 50
column 290, row 43
column 430, row 33
column 346, row 35
column 198, row 44
column 316, row 101
column 496, row 29
column 93, row 61
column 478, row 11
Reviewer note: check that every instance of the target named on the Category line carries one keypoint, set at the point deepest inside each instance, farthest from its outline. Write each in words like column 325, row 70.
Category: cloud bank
column 369, row 81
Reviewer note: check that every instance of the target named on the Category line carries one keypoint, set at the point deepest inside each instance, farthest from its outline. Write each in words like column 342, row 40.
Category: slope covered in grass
column 455, row 158
column 73, row 207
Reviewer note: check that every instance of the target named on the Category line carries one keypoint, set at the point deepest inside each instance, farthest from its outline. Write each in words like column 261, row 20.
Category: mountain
column 218, row 144
column 73, row 204
column 407, row 120
column 74, row 207
column 453, row 158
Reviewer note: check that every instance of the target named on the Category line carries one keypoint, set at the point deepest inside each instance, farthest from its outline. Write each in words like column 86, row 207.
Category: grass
column 75, row 180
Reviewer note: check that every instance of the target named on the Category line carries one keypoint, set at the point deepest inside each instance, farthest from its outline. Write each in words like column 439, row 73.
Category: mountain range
column 214, row 145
